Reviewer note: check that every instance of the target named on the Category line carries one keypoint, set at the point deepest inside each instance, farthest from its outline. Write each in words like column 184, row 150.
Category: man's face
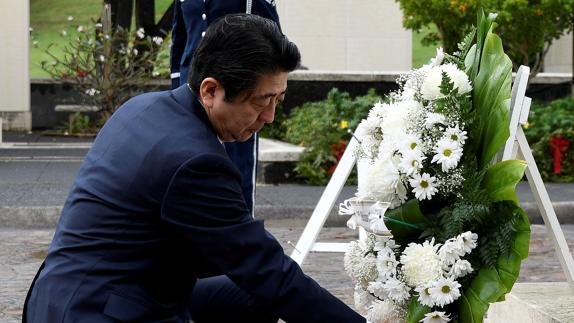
column 240, row 119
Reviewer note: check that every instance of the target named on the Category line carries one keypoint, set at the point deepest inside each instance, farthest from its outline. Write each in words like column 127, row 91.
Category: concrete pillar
column 14, row 71
column 348, row 35
column 559, row 56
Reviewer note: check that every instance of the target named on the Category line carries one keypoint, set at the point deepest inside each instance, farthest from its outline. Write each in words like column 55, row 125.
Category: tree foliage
column 527, row 27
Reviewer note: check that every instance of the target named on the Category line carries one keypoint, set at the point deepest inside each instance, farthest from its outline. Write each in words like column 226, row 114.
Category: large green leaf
column 490, row 285
column 416, row 311
column 501, row 179
column 409, row 213
column 491, row 99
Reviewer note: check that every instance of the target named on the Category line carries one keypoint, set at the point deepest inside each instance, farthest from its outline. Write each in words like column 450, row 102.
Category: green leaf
column 501, row 179
column 485, row 288
column 491, row 99
column 490, row 285
column 416, row 311
column 409, row 212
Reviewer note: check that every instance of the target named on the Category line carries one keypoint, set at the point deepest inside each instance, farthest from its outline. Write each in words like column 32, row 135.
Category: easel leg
column 546, row 209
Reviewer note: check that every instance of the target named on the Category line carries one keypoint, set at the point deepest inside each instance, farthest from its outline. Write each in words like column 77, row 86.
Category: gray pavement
column 22, row 252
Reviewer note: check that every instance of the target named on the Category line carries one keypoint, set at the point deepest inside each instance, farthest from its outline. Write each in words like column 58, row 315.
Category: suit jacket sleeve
column 178, row 39
column 204, row 205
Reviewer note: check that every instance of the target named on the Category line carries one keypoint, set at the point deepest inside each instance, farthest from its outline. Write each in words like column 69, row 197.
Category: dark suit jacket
column 156, row 204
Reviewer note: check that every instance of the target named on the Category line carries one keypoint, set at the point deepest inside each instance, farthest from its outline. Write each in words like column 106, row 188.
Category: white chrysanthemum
column 396, row 119
column 363, row 300
column 450, row 251
column 386, row 265
column 377, row 111
column 460, row 268
column 456, row 135
column 424, row 295
column 377, row 288
column 458, row 77
column 423, row 186
column 386, row 312
column 435, row 317
column 445, row 291
column 397, row 290
column 362, row 269
column 410, row 143
column 381, row 182
column 421, row 264
column 448, row 154
column 411, row 162
column 468, row 241
column 434, row 118
column 430, row 89
column 408, row 93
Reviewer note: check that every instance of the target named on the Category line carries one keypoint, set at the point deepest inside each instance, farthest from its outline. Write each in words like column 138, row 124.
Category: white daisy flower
column 468, row 240
column 410, row 143
column 135, row 51
column 70, row 18
column 424, row 295
column 421, row 264
column 434, row 118
column 456, row 135
column 411, row 162
column 448, row 154
column 102, row 58
column 423, row 186
column 445, row 291
column 435, row 317
column 80, row 29
column 64, row 33
column 140, row 33
column 450, row 251
column 460, row 268
column 397, row 290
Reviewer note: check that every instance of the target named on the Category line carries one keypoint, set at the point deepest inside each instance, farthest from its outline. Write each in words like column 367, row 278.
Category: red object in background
column 81, row 73
column 558, row 145
column 339, row 149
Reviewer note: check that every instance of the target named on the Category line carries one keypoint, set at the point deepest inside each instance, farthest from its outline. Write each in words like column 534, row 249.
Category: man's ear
column 208, row 91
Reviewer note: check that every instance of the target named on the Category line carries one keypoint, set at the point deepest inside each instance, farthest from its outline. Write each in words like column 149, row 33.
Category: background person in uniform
column 157, row 204
column 191, row 19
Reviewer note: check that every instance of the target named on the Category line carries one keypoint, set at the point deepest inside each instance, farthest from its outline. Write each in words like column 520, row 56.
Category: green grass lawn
column 48, row 18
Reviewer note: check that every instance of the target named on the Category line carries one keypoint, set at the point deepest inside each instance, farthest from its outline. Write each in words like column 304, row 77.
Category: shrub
column 321, row 127
column 550, row 132
column 105, row 67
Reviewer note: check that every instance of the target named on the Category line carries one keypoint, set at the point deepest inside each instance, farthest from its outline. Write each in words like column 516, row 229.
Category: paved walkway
column 22, row 251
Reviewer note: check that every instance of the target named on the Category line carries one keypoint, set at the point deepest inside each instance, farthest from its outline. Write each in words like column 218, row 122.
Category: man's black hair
column 237, row 49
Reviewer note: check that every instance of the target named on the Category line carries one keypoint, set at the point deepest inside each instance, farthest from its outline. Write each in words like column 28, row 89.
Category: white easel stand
column 516, row 144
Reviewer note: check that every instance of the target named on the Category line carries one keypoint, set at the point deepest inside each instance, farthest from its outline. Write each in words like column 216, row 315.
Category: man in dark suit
column 157, row 204
column 191, row 19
